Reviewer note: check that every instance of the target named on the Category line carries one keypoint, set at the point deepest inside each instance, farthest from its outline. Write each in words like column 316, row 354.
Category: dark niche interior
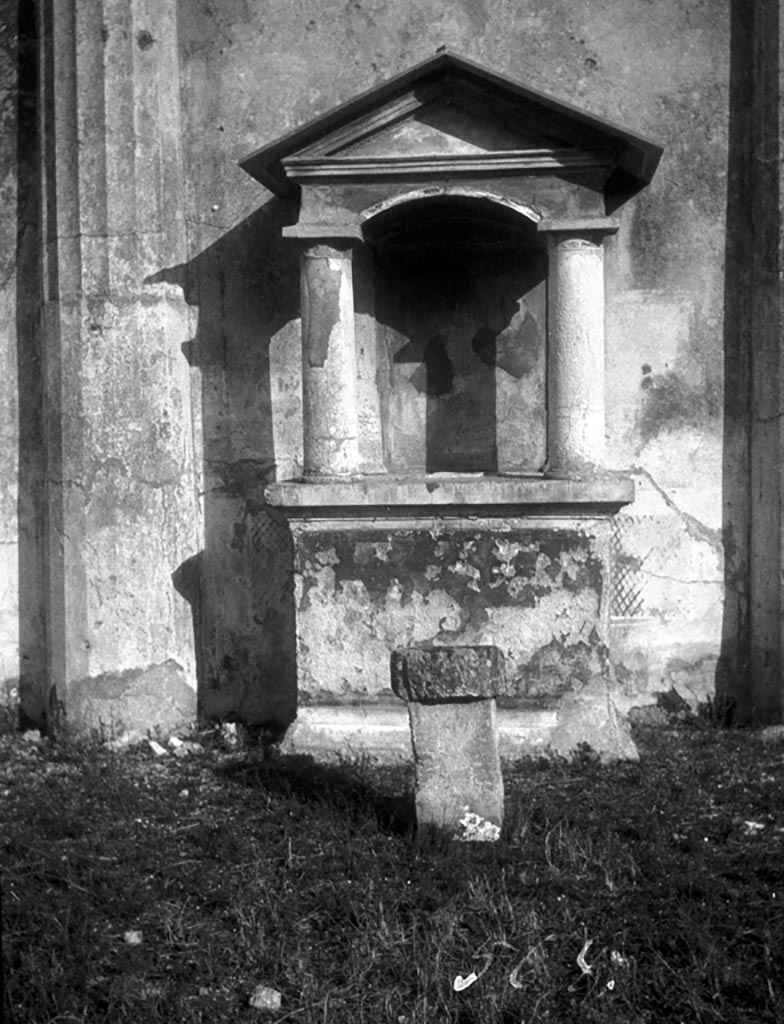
column 460, row 303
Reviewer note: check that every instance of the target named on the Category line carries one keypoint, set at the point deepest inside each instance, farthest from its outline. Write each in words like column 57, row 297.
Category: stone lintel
column 578, row 225
column 444, row 674
column 479, row 494
column 325, row 232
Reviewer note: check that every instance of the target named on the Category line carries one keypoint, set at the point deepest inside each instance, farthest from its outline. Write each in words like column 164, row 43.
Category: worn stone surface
column 447, row 490
column 363, row 589
column 447, row 673
column 589, row 716
column 670, row 558
column 382, row 730
column 649, row 715
column 575, row 374
column 105, row 390
column 329, row 363
column 241, row 595
column 457, row 764
column 22, row 625
column 133, row 704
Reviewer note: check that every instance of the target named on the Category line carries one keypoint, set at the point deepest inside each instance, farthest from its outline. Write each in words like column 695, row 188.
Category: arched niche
column 460, row 307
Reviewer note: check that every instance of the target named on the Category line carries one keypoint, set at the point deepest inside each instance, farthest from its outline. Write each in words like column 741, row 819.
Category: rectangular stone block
column 447, row 673
column 457, row 764
column 533, row 588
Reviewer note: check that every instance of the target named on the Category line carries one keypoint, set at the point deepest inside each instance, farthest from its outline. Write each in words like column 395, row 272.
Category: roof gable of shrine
column 450, row 116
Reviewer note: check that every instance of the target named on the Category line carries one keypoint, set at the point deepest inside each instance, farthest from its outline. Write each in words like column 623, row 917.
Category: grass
column 664, row 878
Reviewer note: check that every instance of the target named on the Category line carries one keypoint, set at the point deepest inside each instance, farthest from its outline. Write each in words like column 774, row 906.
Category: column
column 575, row 343
column 329, row 361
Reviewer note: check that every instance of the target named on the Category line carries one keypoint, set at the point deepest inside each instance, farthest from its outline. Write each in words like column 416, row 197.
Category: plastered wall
column 251, row 71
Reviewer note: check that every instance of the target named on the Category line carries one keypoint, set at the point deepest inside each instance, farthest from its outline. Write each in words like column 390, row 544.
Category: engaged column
column 575, row 343
column 329, row 361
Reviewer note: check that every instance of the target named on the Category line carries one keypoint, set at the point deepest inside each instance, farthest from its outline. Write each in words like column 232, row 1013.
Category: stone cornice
column 473, row 494
column 536, row 161
column 578, row 225
column 483, row 93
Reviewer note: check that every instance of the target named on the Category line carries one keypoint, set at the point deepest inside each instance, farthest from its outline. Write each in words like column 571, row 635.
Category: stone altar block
column 451, row 704
column 520, row 564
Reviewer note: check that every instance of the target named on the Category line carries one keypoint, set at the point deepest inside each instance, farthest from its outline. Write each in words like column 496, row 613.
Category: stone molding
column 301, row 169
column 448, row 76
column 484, row 495
column 577, row 226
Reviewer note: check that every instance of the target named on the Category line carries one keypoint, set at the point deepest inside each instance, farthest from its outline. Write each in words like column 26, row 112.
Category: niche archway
column 460, row 304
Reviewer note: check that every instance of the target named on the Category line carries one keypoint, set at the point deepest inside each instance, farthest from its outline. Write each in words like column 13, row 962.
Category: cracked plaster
column 360, row 597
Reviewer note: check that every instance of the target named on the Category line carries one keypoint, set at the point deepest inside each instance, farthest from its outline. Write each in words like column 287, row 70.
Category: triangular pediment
column 452, row 114
column 417, row 137
column 426, row 126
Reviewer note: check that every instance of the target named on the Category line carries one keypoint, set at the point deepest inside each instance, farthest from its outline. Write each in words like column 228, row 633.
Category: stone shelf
column 475, row 494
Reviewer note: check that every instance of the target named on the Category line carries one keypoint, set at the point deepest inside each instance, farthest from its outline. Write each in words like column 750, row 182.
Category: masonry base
column 328, row 732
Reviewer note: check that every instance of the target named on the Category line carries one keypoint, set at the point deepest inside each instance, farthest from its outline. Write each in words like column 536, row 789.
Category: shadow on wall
column 459, row 321
column 460, row 304
column 246, row 288
column 748, row 683
column 240, row 586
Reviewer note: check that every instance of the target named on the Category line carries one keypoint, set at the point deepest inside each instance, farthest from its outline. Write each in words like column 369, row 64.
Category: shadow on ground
column 346, row 788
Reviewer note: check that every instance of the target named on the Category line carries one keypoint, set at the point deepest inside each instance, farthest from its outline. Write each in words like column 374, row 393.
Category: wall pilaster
column 120, row 450
column 761, row 695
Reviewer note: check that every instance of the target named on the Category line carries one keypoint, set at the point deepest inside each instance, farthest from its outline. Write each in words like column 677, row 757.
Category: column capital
column 578, row 226
column 342, row 234
column 327, row 249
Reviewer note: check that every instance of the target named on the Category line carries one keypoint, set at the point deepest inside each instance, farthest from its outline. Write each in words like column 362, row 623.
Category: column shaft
column 329, row 363
column 575, row 369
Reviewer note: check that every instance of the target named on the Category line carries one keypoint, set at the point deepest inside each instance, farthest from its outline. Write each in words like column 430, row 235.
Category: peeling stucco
column 361, row 592
column 320, row 316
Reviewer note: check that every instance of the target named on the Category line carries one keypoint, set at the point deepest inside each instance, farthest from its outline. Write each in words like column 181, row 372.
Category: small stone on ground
column 265, row 998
